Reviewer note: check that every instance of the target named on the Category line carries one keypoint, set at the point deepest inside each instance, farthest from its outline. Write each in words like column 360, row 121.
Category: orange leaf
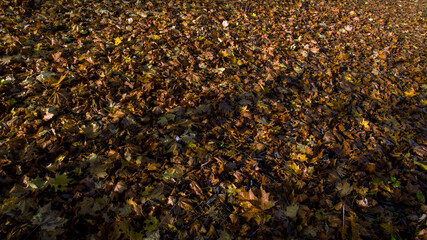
column 265, row 203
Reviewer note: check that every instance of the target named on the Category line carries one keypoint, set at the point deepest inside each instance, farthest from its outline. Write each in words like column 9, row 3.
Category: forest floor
column 213, row 119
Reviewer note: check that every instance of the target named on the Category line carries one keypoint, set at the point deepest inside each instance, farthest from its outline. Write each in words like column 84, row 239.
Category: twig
column 343, row 222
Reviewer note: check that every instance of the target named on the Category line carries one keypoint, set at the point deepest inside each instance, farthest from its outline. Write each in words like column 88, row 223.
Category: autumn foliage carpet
column 213, row 119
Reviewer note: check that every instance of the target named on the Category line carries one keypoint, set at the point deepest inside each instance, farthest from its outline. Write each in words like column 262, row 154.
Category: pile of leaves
column 213, row 119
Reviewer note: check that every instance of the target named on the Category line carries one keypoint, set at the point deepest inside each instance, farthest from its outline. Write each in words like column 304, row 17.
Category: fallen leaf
column 292, row 210
column 344, row 189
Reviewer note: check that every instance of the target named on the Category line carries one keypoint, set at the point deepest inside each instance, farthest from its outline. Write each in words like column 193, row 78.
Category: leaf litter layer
column 213, row 119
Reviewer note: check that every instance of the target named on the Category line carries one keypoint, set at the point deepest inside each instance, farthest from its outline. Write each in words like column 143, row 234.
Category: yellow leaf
column 365, row 124
column 131, row 202
column 231, row 190
column 155, row 37
column 295, row 167
column 302, row 157
column 127, row 59
column 421, row 165
column 117, row 41
column 411, row 93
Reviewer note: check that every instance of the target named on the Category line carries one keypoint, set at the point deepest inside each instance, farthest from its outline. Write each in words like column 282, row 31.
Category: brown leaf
column 421, row 151
column 120, row 187
column 196, row 188
column 248, row 196
column 344, row 188
column 265, row 202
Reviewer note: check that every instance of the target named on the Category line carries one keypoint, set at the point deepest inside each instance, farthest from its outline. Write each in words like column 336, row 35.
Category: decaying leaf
column 344, row 189
column 292, row 210
column 212, row 119
column 265, row 201
column 48, row 219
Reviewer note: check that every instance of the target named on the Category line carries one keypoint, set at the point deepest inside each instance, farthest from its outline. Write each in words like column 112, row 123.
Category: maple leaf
column 265, row 202
column 295, row 168
column 122, row 77
column 302, row 157
column 117, row 41
column 231, row 190
column 163, row 121
column 48, row 219
column 247, row 196
column 151, row 224
column 133, row 235
column 252, row 212
column 8, row 205
column 60, row 182
column 147, row 191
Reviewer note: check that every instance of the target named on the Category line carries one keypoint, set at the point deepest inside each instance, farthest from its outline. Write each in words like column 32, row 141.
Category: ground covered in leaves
column 213, row 119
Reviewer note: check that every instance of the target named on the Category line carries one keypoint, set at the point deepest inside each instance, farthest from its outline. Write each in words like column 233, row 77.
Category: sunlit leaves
column 235, row 119
column 265, row 202
column 365, row 124
column 410, row 93
column 302, row 157
column 155, row 37
column 231, row 190
column 117, row 41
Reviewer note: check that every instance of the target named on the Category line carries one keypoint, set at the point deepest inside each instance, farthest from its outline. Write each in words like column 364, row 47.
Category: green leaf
column 147, row 191
column 396, row 184
column 377, row 180
column 231, row 190
column 420, row 197
column 133, row 235
column 60, row 182
column 151, row 224
column 170, row 116
column 163, row 121
column 172, row 228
